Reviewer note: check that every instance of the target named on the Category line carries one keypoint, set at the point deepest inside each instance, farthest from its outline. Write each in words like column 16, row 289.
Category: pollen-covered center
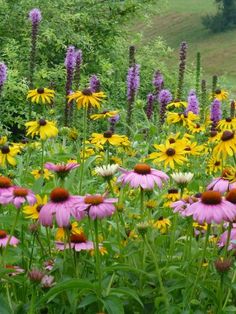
column 20, row 192
column 78, row 238
column 3, row 234
column 93, row 199
column 211, row 198
column 231, row 196
column 142, row 169
column 59, row 195
column 217, row 163
column 107, row 134
column 87, row 92
column 173, row 191
column 170, row 152
column 5, row 182
column 213, row 133
column 5, row 149
column 197, row 126
column 40, row 90
column 227, row 135
column 42, row 122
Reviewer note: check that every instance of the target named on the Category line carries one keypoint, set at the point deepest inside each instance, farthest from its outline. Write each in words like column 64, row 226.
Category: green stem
column 142, row 203
column 32, row 309
column 83, row 149
column 228, row 238
column 98, row 264
column 32, row 251
column 220, row 293
column 48, row 238
column 42, row 157
column 172, row 239
column 229, row 290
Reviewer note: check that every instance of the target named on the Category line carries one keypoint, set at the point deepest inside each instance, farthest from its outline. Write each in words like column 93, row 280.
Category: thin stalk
column 172, row 238
column 229, row 290
column 48, row 238
column 83, row 149
column 142, row 203
column 32, row 251
column 228, row 238
column 98, row 264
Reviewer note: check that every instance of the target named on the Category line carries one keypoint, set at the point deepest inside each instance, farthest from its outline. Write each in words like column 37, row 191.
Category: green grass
column 180, row 21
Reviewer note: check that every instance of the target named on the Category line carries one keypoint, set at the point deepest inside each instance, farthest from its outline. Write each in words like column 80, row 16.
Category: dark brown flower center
column 218, row 91
column 228, row 119
column 211, row 198
column 142, row 169
column 42, row 122
column 78, row 238
column 217, row 163
column 105, row 111
column 59, row 195
column 87, row 92
column 5, row 149
column 93, row 199
column 172, row 140
column 170, row 152
column 197, row 126
column 227, row 135
column 107, row 134
column 5, row 182
column 226, row 172
column 188, row 149
column 213, row 133
column 20, row 192
column 198, row 195
column 40, row 90
column 231, row 196
column 173, row 191
column 3, row 234
column 160, row 218
column 39, row 207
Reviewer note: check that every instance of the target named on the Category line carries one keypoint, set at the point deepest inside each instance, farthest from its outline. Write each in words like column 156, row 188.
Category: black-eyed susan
column 221, row 94
column 38, row 173
column 32, row 211
column 169, row 154
column 162, row 224
column 45, row 129
column 3, row 140
column 183, row 118
column 103, row 115
column 173, row 195
column 196, row 128
column 73, row 229
column 194, row 149
column 7, row 155
column 229, row 174
column 214, row 164
column 109, row 137
column 227, row 124
column 177, row 104
column 213, row 137
column 86, row 97
column 227, row 144
column 43, row 95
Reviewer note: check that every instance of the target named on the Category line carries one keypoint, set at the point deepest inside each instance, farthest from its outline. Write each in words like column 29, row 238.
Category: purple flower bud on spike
column 94, row 84
column 158, row 81
column 216, row 113
column 78, row 57
column 133, row 81
column 3, row 74
column 193, row 104
column 164, row 98
column 70, row 58
column 149, row 110
column 35, row 16
column 113, row 121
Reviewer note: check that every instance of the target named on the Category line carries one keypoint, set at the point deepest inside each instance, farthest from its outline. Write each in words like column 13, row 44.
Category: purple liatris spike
column 133, row 81
column 3, row 74
column 35, row 16
column 78, row 63
column 193, row 104
column 149, row 110
column 216, row 113
column 113, row 121
column 70, row 58
column 158, row 81
column 182, row 66
column 94, row 84
column 164, row 98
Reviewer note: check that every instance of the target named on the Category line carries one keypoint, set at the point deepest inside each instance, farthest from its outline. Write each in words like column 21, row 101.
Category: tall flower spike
column 164, row 98
column 214, row 84
column 193, row 104
column 158, row 81
column 149, row 110
column 216, row 113
column 94, row 84
column 78, row 63
column 198, row 72
column 182, row 66
column 3, row 75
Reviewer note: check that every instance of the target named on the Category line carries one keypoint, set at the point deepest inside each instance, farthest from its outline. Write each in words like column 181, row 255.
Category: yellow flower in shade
column 73, row 134
column 213, row 238
column 102, row 251
column 194, row 149
column 227, row 124
column 86, row 97
column 3, row 140
column 32, row 211
column 169, row 154
column 199, row 227
column 221, row 94
column 151, row 204
column 109, row 137
column 173, row 195
column 196, row 128
column 229, row 174
column 45, row 129
column 74, row 229
column 46, row 174
column 7, row 154
column 227, row 144
column 214, row 164
column 104, row 114
column 213, row 137
column 177, row 104
column 116, row 160
column 184, row 118
column 162, row 224
column 43, row 95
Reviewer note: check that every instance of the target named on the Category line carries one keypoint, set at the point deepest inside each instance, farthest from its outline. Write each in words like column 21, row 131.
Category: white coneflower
column 182, row 178
column 107, row 170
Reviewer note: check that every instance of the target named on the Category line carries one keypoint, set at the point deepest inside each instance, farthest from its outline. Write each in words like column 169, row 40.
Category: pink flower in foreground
column 212, row 208
column 17, row 196
column 182, row 205
column 221, row 185
column 62, row 205
column 143, row 176
column 223, row 239
column 61, row 169
column 14, row 270
column 4, row 238
column 5, row 185
column 97, row 206
column 79, row 243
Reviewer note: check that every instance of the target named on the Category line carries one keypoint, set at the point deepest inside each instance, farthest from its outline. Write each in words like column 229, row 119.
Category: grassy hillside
column 181, row 20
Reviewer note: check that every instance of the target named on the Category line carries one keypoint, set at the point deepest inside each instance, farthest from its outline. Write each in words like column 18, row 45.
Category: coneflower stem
column 32, row 251
column 83, row 149
column 228, row 238
column 229, row 290
column 48, row 238
column 172, row 239
column 142, row 202
column 98, row 264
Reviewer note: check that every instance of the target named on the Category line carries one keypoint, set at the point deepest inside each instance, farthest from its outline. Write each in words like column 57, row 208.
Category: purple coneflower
column 143, row 176
column 4, row 239
column 5, row 185
column 78, row 242
column 61, row 170
column 3, row 75
column 221, row 185
column 232, row 240
column 18, row 196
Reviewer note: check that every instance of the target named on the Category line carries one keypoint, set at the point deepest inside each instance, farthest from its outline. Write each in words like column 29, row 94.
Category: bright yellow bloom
column 32, row 211
column 169, row 154
column 109, row 137
column 37, row 173
column 213, row 137
column 227, row 124
column 227, row 144
column 185, row 118
column 194, row 149
column 214, row 164
column 45, row 129
column 162, row 224
column 86, row 97
column 3, row 140
column 102, row 251
column 221, row 94
column 151, row 204
column 173, row 195
column 103, row 115
column 7, row 154
column 74, row 229
column 229, row 173
column 196, row 128
column 41, row 94
column 177, row 104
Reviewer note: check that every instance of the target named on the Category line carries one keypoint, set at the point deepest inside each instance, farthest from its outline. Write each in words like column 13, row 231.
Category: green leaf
column 4, row 307
column 89, row 299
column 126, row 291
column 113, row 305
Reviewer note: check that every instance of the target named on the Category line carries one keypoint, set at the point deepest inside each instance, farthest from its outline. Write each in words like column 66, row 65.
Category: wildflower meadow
column 116, row 196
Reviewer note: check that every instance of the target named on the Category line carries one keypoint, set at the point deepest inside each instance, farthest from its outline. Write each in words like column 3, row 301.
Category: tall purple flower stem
column 78, row 63
column 149, row 108
column 164, row 98
column 193, row 104
column 216, row 113
column 3, row 75
column 182, row 67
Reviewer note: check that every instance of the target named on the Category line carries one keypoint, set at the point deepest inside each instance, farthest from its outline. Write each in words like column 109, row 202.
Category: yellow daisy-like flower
column 43, row 95
column 102, row 251
column 169, row 154
column 116, row 160
column 194, row 149
column 74, row 229
column 162, row 224
column 104, row 114
column 73, row 134
column 213, row 137
column 32, row 211
column 3, row 140
column 214, row 164
column 173, row 195
column 45, row 129
column 46, row 174
column 200, row 227
column 196, row 128
column 151, row 204
column 227, row 144
column 229, row 174
column 109, row 137
column 227, row 124
column 221, row 94
column 7, row 154
column 177, row 104
column 184, row 118
column 86, row 97
column 213, row 238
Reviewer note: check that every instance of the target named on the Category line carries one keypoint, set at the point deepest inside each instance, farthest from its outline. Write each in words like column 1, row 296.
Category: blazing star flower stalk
column 216, row 113
column 133, row 81
column 149, row 109
column 94, row 84
column 35, row 17
column 70, row 65
column 113, row 121
column 214, row 84
column 158, row 82
column 182, row 66
column 203, row 93
column 131, row 56
column 78, row 63
column 3, row 75
column 232, row 109
column 198, row 72
column 164, row 98
column 193, row 104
